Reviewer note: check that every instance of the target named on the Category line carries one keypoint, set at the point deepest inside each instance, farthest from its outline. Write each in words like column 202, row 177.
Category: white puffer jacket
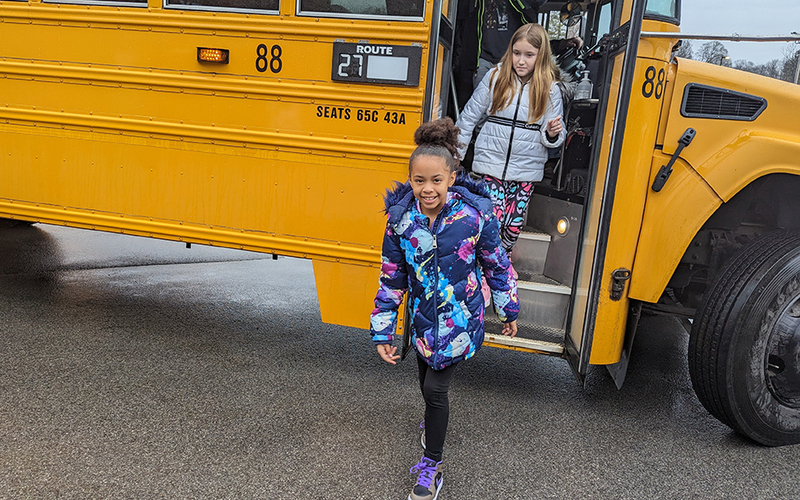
column 506, row 150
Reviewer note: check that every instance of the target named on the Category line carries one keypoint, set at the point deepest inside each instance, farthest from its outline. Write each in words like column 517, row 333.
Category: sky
column 745, row 17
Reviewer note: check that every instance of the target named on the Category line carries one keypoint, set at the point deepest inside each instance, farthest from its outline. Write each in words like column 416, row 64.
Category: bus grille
column 702, row 101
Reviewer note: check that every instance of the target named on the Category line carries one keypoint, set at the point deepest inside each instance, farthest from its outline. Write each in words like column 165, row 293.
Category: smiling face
column 430, row 178
column 523, row 57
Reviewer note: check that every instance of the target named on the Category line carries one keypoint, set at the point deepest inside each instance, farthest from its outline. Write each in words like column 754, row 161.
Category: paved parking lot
column 136, row 368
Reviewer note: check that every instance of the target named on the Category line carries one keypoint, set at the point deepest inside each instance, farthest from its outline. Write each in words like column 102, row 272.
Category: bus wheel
column 744, row 348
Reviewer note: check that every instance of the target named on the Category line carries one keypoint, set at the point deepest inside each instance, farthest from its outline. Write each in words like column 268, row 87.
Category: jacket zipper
column 434, row 229
column 511, row 135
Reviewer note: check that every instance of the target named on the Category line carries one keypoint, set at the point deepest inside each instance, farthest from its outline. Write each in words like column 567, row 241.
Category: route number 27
column 652, row 86
column 346, row 64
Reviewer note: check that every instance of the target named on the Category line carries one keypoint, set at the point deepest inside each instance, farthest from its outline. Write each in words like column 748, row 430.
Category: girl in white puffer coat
column 523, row 101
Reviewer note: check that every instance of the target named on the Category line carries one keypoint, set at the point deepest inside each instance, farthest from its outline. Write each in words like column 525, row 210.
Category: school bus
column 276, row 126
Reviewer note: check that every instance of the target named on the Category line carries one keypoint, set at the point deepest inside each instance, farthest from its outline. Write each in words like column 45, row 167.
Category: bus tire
column 744, row 348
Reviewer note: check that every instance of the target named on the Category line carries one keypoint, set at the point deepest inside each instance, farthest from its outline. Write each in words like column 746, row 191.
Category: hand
column 387, row 353
column 575, row 42
column 510, row 329
column 554, row 127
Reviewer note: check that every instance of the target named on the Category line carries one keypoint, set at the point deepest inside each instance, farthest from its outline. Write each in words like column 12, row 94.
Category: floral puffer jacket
column 442, row 266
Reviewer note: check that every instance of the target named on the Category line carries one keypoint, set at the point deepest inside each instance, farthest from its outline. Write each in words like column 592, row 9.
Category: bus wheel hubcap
column 783, row 357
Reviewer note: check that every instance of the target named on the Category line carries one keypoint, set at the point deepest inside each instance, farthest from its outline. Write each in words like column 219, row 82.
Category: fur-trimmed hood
column 400, row 197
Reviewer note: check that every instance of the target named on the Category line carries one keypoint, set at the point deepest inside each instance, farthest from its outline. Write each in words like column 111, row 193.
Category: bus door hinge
column 618, row 279
column 617, row 39
column 666, row 170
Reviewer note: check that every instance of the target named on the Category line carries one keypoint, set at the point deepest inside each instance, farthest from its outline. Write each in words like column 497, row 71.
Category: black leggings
column 434, row 385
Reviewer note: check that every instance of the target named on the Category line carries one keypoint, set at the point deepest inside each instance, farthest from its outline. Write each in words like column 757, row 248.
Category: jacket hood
column 398, row 199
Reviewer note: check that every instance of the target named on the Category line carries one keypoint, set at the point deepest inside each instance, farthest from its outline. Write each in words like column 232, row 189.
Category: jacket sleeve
column 497, row 269
column 393, row 285
column 475, row 108
column 555, row 107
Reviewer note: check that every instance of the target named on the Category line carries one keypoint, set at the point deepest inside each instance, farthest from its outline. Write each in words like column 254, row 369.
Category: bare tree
column 714, row 53
column 790, row 62
column 685, row 50
column 745, row 65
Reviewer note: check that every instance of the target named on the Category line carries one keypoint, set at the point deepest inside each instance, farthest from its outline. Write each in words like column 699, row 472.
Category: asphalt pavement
column 136, row 368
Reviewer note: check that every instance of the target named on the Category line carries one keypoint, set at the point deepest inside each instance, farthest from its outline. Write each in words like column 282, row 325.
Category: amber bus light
column 562, row 226
column 212, row 55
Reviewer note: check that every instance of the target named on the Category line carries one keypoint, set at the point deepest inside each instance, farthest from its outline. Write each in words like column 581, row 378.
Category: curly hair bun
column 441, row 132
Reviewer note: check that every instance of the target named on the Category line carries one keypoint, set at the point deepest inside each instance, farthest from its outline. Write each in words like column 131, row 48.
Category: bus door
column 592, row 282
column 439, row 59
column 559, row 256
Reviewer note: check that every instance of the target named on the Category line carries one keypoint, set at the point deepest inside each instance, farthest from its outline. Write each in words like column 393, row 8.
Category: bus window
column 603, row 22
column 412, row 10
column 663, row 8
column 261, row 6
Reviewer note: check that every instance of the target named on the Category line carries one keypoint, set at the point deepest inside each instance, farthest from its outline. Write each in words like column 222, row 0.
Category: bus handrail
column 736, row 37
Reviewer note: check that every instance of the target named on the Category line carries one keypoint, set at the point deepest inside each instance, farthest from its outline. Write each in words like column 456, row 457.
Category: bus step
column 527, row 330
column 543, row 301
column 529, row 336
column 530, row 252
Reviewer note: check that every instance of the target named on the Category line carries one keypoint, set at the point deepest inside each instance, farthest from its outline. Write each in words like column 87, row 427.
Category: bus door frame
column 622, row 41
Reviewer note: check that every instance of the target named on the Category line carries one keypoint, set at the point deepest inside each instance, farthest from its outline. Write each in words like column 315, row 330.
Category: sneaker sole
column 438, row 489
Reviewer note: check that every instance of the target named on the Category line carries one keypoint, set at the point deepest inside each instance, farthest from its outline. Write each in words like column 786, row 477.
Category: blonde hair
column 545, row 72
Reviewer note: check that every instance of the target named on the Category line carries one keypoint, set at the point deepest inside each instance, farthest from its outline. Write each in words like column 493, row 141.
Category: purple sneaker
column 429, row 481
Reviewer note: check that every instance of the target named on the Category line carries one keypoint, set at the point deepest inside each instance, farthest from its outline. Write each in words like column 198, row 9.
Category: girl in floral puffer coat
column 440, row 238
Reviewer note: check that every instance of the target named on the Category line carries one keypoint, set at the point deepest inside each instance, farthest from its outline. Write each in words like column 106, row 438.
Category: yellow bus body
column 110, row 122
column 725, row 157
